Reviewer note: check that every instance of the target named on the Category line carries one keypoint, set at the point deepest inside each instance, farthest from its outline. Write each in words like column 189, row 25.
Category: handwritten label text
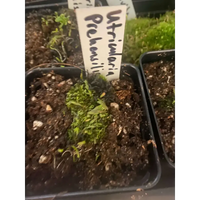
column 74, row 4
column 130, row 8
column 101, row 32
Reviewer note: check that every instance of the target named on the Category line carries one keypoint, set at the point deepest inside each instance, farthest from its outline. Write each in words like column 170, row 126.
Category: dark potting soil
column 122, row 154
column 35, row 47
column 39, row 34
column 160, row 78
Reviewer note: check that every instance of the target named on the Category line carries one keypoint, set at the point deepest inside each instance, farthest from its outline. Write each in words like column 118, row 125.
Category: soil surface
column 38, row 35
column 119, row 160
column 160, row 78
column 35, row 48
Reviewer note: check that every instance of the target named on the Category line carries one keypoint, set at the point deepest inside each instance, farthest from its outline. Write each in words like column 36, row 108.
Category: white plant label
column 130, row 8
column 74, row 4
column 101, row 32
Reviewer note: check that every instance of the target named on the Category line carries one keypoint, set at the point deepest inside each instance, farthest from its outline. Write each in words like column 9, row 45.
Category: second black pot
column 149, row 57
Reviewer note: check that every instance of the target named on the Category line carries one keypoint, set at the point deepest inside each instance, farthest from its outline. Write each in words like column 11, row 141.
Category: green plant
column 90, row 117
column 62, row 19
column 55, row 31
column 60, row 40
column 60, row 150
column 55, row 40
column 175, row 101
column 75, row 153
column 168, row 102
column 175, row 92
column 148, row 34
column 176, row 95
column 49, row 19
column 161, row 37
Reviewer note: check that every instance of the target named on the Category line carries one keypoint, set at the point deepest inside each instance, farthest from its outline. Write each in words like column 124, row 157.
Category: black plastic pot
column 149, row 57
column 39, row 2
column 152, row 8
column 54, row 3
column 27, row 9
column 52, row 7
column 152, row 176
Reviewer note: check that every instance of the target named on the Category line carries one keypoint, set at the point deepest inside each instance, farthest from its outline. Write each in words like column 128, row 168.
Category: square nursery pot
column 37, row 40
column 54, row 5
column 152, row 8
column 150, row 57
column 39, row 2
column 150, row 177
column 36, row 4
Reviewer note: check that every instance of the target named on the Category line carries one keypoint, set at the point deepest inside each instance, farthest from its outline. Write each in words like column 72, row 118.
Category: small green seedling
column 80, row 144
column 47, row 20
column 96, row 157
column 55, row 40
column 62, row 19
column 176, row 92
column 55, row 31
column 175, row 101
column 60, row 150
column 75, row 153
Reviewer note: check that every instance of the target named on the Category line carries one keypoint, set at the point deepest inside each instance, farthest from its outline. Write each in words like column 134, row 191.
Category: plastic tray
column 152, row 8
column 39, row 2
column 150, row 57
column 54, row 3
column 153, row 175
column 27, row 9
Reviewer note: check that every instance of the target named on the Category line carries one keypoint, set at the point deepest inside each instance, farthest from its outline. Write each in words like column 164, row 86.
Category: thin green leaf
column 77, row 151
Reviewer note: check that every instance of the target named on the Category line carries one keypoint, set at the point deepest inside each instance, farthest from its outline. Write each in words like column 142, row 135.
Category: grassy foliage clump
column 89, row 111
column 148, row 34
